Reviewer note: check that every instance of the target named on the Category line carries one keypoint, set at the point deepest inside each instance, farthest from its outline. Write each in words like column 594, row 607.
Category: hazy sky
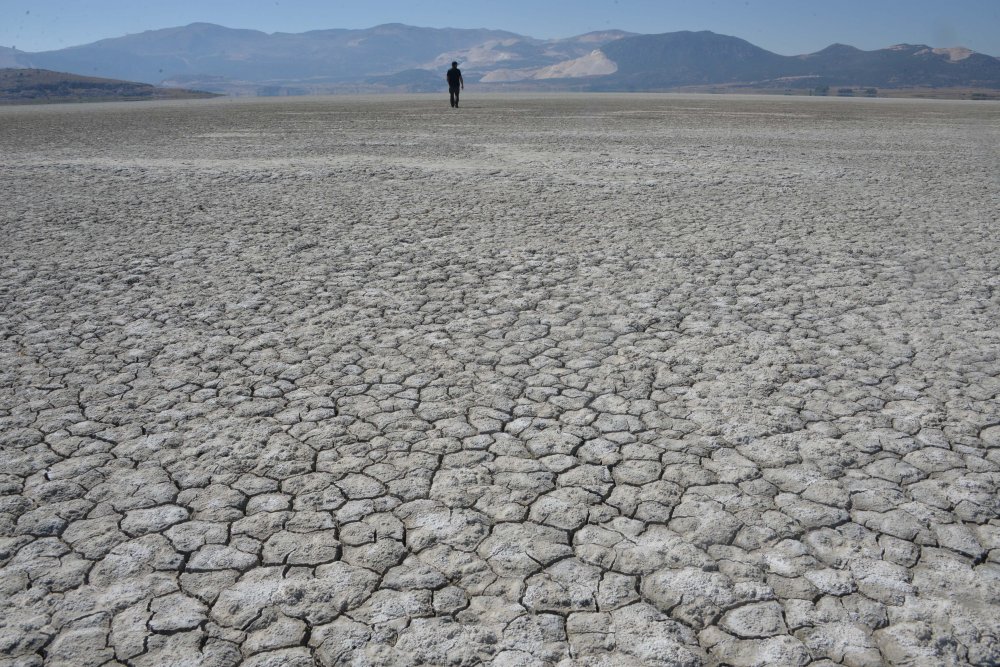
column 785, row 26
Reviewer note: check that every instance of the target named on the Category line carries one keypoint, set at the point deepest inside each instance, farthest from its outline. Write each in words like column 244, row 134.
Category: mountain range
column 396, row 57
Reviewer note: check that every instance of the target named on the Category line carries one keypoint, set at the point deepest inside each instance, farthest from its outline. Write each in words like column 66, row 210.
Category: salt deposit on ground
column 595, row 380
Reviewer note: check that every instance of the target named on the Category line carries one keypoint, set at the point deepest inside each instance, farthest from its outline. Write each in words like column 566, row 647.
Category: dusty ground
column 565, row 380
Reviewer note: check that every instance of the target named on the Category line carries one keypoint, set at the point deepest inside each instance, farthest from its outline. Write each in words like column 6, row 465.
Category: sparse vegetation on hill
column 683, row 59
column 33, row 86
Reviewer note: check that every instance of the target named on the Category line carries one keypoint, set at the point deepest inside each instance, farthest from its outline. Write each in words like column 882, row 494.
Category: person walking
column 455, row 83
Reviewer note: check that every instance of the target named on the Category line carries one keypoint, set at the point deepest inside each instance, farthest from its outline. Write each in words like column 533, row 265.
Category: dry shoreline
column 558, row 379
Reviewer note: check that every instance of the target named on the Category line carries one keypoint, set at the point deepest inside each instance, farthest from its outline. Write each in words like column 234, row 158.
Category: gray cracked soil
column 545, row 380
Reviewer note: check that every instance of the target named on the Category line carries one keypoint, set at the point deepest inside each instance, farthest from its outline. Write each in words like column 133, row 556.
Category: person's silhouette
column 455, row 83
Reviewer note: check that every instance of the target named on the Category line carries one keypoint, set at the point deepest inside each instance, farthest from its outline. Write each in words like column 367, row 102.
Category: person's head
column 454, row 63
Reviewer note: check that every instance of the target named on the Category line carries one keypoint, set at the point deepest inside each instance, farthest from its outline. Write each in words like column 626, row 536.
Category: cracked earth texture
column 631, row 380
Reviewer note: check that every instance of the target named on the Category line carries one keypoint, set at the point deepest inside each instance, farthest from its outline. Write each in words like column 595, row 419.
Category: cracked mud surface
column 578, row 381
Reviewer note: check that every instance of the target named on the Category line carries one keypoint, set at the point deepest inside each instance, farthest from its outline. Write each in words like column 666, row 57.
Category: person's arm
column 461, row 80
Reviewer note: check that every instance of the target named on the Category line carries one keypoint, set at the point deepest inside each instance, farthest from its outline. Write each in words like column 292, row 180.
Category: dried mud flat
column 631, row 380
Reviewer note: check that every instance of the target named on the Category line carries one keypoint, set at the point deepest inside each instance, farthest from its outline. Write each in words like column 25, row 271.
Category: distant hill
column 685, row 58
column 401, row 58
column 250, row 55
column 26, row 86
column 901, row 66
column 10, row 57
column 697, row 58
column 229, row 60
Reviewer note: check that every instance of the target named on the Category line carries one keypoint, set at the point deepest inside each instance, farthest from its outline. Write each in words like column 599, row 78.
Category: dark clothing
column 454, row 85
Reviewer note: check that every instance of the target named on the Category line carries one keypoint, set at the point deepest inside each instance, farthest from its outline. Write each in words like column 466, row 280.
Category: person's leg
column 452, row 96
column 456, row 97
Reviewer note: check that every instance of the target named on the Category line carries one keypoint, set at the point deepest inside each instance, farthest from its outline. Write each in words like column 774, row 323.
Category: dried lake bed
column 545, row 380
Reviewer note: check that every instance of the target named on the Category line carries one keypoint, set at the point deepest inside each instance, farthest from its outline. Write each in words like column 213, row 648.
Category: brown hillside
column 27, row 86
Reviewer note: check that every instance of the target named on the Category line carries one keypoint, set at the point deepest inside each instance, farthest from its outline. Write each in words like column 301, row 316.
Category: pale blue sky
column 785, row 26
